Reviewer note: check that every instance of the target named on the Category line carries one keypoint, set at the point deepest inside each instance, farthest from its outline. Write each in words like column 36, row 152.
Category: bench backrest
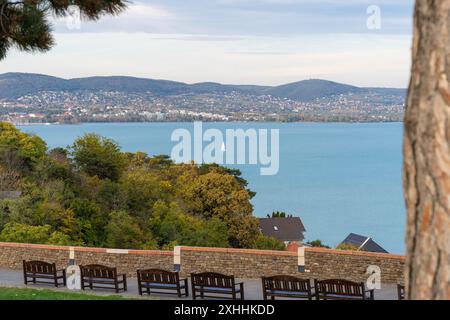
column 286, row 283
column 212, row 279
column 339, row 287
column 158, row 276
column 39, row 267
column 98, row 271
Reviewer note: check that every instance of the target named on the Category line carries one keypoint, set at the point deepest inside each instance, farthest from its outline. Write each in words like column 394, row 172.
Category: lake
column 338, row 177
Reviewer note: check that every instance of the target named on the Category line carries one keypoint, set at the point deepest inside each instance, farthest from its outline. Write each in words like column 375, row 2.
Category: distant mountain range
column 16, row 85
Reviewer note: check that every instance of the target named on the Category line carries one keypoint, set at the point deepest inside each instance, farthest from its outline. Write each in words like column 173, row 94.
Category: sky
column 266, row 42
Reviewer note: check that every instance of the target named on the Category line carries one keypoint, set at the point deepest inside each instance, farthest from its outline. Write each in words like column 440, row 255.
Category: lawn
column 37, row 294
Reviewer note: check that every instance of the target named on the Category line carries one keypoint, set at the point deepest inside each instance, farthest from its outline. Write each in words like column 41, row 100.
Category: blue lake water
column 339, row 178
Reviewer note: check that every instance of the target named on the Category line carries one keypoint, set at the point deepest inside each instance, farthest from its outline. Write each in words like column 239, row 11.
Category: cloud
column 252, row 17
column 356, row 59
column 235, row 41
column 137, row 17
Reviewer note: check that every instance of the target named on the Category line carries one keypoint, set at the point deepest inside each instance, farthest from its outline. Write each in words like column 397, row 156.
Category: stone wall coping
column 294, row 254
column 247, row 251
column 82, row 249
column 203, row 249
column 356, row 253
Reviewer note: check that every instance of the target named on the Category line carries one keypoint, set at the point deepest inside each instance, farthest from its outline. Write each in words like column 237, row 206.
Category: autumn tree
column 220, row 195
column 98, row 156
column 427, row 154
column 25, row 24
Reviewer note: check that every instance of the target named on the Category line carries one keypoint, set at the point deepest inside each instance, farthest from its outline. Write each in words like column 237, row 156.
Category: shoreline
column 173, row 122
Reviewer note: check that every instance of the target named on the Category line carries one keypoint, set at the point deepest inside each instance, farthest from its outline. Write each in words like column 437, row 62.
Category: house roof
column 363, row 243
column 283, row 229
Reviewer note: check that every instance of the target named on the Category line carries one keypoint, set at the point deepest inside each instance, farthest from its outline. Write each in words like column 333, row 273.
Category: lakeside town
column 111, row 106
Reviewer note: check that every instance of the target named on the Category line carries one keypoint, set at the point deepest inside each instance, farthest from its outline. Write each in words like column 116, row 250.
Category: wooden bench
column 401, row 292
column 95, row 276
column 43, row 272
column 337, row 289
column 222, row 286
column 287, row 287
column 163, row 281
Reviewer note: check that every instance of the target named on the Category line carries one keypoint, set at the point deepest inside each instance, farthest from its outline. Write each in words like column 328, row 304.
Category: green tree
column 171, row 226
column 279, row 214
column 16, row 232
column 143, row 189
column 220, row 195
column 98, row 156
column 19, row 151
column 317, row 244
column 124, row 232
column 269, row 243
column 61, row 239
column 24, row 23
column 91, row 221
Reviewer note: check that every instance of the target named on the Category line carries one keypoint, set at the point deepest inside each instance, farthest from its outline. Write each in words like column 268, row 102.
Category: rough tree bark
column 427, row 154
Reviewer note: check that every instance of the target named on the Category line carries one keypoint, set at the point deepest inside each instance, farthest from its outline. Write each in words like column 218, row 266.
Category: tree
column 16, row 232
column 124, row 232
column 279, row 214
column 18, row 150
column 269, row 243
column 24, row 23
column 171, row 226
column 219, row 195
column 98, row 156
column 427, row 155
column 317, row 244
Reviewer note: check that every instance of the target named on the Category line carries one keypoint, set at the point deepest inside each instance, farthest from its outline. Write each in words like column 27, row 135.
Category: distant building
column 288, row 230
column 363, row 243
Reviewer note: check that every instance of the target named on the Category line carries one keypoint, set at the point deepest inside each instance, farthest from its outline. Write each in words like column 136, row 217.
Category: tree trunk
column 427, row 154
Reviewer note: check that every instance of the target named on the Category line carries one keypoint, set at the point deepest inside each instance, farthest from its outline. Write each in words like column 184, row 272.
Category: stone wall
column 352, row 265
column 319, row 263
column 241, row 263
column 126, row 261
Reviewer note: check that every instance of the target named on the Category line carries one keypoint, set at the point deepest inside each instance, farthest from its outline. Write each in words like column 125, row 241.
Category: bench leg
column 186, row 288
column 25, row 277
column 242, row 291
column 125, row 286
column 194, row 294
column 64, row 278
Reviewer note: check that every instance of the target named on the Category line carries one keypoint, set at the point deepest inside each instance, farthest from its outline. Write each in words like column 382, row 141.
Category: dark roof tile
column 284, row 229
column 364, row 243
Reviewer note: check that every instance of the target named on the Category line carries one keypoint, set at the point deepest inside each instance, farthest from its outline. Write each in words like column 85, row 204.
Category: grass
column 45, row 294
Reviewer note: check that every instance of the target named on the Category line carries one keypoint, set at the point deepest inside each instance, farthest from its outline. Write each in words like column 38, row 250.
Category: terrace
column 247, row 265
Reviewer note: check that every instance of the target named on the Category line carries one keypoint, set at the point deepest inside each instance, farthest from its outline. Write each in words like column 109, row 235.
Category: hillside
column 308, row 90
column 16, row 85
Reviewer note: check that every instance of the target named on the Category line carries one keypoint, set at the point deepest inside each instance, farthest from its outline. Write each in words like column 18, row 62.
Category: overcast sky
column 235, row 41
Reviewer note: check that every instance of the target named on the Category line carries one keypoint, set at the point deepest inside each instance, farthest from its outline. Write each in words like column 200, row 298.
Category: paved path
column 14, row 278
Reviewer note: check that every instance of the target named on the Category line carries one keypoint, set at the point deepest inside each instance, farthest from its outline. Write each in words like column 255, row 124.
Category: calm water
column 339, row 178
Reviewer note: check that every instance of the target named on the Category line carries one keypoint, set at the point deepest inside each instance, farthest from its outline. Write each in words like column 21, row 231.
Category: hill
column 16, row 85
